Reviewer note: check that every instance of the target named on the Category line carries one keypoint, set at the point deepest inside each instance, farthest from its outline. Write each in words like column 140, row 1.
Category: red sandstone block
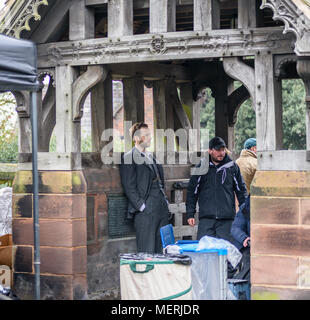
column 52, row 287
column 57, row 233
column 63, row 260
column 274, row 293
column 305, row 211
column 281, row 240
column 57, row 182
column 101, row 180
column 274, row 270
column 23, row 260
column 79, row 233
column 62, row 206
column 102, row 201
column 274, row 210
column 22, row 206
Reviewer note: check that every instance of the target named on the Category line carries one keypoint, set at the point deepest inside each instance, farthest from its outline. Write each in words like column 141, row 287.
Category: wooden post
column 120, row 18
column 268, row 93
column 163, row 114
column 81, row 21
column 220, row 93
column 162, row 16
column 101, row 111
column 159, row 101
column 23, row 111
column 133, row 89
column 206, row 15
column 247, row 14
column 193, row 108
column 68, row 133
column 49, row 116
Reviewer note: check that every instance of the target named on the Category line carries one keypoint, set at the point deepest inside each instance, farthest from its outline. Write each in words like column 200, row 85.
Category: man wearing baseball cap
column 215, row 192
column 247, row 162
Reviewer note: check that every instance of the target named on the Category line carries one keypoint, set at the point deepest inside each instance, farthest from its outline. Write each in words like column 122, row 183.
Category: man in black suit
column 142, row 179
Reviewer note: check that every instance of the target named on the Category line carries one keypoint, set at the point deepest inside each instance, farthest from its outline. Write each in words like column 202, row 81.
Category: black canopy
column 18, row 71
column 18, row 64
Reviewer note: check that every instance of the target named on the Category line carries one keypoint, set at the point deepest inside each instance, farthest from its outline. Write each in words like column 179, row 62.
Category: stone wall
column 280, row 233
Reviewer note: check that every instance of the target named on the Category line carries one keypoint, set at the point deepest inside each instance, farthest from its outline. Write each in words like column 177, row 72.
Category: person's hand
column 191, row 221
column 245, row 242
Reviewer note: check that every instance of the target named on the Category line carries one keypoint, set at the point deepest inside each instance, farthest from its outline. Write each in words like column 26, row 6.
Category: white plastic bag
column 5, row 211
column 233, row 254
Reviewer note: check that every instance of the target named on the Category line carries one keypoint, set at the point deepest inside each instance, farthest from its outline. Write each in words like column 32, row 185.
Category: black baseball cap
column 217, row 143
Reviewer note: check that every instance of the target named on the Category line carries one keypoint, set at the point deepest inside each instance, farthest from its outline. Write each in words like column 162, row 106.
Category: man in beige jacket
column 247, row 162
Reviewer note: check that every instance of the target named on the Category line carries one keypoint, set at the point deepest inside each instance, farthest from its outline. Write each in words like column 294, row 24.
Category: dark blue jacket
column 215, row 190
column 240, row 229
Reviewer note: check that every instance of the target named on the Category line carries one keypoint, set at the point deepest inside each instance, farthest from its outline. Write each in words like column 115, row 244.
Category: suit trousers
column 149, row 222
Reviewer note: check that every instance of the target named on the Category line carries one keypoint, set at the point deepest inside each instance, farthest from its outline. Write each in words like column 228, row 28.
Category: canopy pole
column 35, row 180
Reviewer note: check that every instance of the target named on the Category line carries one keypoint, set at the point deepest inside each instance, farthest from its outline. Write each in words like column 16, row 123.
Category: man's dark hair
column 137, row 126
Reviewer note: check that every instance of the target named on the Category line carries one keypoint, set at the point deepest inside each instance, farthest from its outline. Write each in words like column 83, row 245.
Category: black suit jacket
column 137, row 179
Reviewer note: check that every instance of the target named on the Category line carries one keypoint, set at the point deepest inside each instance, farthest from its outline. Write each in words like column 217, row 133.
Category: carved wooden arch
column 293, row 18
column 281, row 63
column 82, row 86
column 240, row 71
column 235, row 100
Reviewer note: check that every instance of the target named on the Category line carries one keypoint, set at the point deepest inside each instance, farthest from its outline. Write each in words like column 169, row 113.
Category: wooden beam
column 68, row 133
column 165, row 47
column 206, row 15
column 235, row 100
column 25, row 130
column 137, row 4
column 240, row 71
column 151, row 71
column 247, row 14
column 162, row 16
column 95, row 2
column 284, row 160
column 133, row 90
column 51, row 161
column 220, row 93
column 101, row 111
column 81, row 21
column 268, row 93
column 49, row 115
column 159, row 102
column 120, row 18
column 193, row 107
column 82, row 86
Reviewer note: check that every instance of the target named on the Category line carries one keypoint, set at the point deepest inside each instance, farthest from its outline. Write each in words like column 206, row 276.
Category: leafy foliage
column 294, row 117
column 8, row 132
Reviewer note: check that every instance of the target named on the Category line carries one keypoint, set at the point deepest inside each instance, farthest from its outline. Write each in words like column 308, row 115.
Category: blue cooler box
column 208, row 269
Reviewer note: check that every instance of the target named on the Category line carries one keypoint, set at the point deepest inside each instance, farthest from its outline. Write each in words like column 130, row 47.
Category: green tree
column 8, row 132
column 294, row 114
column 245, row 126
column 294, row 117
column 207, row 114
